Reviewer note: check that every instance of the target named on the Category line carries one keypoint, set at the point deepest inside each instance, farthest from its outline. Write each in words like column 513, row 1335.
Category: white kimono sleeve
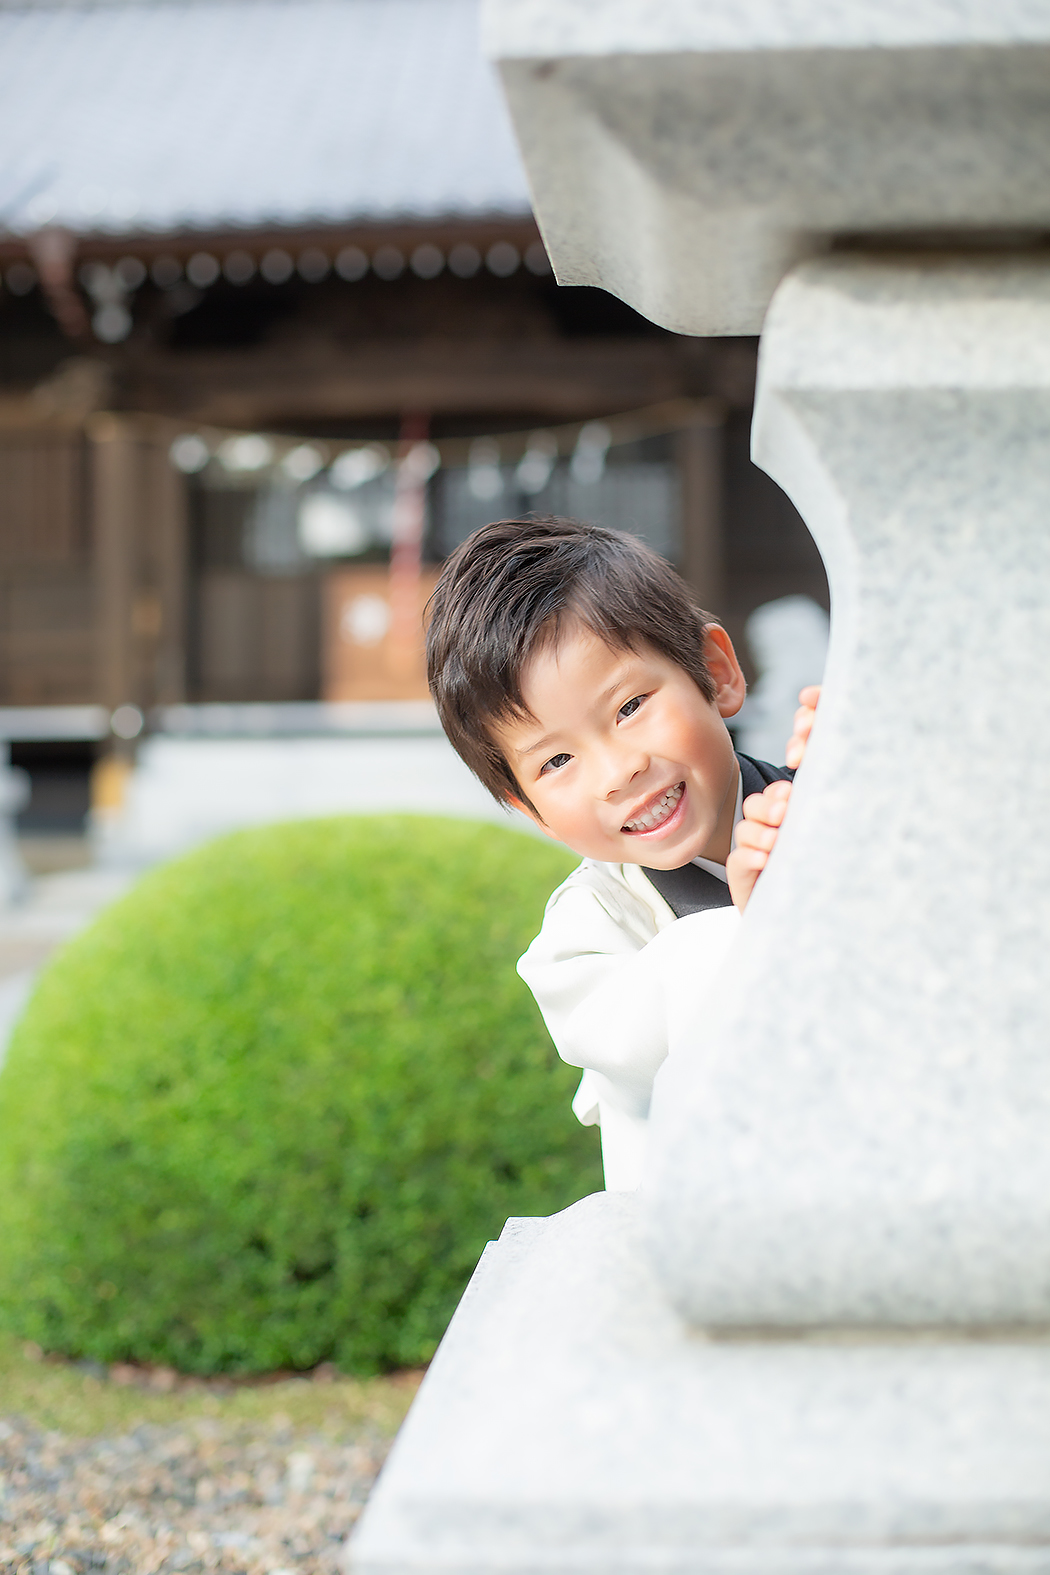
column 606, row 993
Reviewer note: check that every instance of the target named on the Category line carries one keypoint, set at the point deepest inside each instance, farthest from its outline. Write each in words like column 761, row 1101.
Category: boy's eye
column 555, row 763
column 629, row 707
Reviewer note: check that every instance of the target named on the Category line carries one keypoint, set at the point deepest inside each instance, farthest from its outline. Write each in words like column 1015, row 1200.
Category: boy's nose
column 620, row 767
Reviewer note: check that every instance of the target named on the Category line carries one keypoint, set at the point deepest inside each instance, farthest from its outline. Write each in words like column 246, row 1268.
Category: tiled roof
column 203, row 114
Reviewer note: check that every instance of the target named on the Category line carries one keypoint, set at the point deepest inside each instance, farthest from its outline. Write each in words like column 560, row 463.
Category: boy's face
column 623, row 758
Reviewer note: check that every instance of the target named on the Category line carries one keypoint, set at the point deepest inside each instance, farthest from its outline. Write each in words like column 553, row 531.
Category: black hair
column 511, row 588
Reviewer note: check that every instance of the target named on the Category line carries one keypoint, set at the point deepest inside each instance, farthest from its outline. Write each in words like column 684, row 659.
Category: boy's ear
column 730, row 684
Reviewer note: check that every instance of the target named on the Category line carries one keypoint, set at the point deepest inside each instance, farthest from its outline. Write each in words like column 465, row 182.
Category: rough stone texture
column 862, row 1135
column 538, row 28
column 715, row 145
column 571, row 1422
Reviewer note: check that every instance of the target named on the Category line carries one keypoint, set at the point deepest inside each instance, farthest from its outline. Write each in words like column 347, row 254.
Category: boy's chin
column 655, row 857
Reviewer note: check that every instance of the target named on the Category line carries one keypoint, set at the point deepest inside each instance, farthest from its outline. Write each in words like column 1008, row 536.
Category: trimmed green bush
column 268, row 1109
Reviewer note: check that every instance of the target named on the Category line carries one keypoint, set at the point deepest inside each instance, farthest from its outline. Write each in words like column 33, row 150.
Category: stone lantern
column 816, row 1342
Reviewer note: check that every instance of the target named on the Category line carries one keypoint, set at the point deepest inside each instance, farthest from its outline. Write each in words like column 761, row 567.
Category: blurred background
column 277, row 331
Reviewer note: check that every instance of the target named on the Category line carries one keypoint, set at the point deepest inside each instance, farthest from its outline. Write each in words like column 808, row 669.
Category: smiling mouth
column 660, row 808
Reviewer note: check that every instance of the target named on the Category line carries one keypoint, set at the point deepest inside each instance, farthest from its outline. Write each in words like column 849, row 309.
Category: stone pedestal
column 863, row 1137
column 571, row 1421
column 818, row 1341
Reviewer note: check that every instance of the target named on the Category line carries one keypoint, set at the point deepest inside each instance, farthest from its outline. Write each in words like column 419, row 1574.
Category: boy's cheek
column 537, row 819
column 529, row 814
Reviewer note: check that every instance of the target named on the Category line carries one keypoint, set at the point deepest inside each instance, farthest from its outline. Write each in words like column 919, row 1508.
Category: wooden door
column 360, row 660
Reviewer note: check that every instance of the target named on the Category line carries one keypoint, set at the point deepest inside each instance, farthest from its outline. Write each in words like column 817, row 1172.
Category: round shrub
column 268, row 1109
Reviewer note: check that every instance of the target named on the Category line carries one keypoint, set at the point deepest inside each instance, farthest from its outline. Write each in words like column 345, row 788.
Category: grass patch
column 57, row 1396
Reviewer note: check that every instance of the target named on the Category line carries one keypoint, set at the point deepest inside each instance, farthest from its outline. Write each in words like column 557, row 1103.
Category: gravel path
column 200, row 1496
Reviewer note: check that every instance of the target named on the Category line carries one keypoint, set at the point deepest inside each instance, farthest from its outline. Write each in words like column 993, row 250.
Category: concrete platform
column 548, row 1435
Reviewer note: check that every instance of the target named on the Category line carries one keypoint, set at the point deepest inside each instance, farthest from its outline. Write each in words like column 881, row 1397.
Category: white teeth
column 659, row 812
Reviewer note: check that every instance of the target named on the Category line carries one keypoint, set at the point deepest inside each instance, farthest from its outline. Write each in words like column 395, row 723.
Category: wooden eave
column 481, row 231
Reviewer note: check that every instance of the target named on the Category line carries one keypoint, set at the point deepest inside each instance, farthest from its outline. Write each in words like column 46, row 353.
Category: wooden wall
column 47, row 652
column 256, row 637
column 92, row 565
column 104, row 597
column 100, row 599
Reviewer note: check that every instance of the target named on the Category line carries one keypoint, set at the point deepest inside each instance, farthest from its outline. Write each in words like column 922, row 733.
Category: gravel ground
column 199, row 1497
column 195, row 1497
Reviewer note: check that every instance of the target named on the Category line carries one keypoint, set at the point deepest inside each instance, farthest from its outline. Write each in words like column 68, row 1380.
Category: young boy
column 576, row 678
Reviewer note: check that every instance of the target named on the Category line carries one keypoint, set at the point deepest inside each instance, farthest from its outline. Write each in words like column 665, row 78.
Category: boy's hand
column 764, row 813
column 756, row 835
column 807, row 710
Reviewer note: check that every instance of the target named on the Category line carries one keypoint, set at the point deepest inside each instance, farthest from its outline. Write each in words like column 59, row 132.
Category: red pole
column 54, row 251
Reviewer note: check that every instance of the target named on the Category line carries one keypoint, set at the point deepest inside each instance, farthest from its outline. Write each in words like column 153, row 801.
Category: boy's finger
column 796, row 744
column 769, row 807
column 746, row 861
column 770, row 817
column 750, row 834
column 802, row 725
column 774, row 791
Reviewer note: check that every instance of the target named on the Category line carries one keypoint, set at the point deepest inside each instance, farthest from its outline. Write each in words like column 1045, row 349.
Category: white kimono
column 616, row 975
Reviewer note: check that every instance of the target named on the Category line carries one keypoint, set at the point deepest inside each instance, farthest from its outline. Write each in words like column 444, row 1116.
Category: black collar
column 691, row 889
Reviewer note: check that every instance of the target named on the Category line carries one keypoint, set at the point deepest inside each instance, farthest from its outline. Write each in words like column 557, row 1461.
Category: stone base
column 570, row 1422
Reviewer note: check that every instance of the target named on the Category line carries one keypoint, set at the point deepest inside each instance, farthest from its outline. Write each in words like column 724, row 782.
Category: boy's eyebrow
column 540, row 743
column 618, row 682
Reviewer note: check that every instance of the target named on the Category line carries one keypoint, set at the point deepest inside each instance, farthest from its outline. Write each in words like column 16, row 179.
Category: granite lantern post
column 819, row 1338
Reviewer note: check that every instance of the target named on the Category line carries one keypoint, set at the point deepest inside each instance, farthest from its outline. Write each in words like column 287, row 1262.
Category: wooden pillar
column 169, row 525
column 115, row 478
column 700, row 462
column 405, row 643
